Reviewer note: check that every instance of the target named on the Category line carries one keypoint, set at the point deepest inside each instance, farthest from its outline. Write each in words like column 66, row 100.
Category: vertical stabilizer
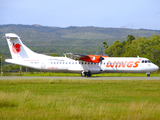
column 16, row 46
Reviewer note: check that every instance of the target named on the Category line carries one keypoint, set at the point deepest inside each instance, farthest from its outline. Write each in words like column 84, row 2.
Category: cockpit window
column 146, row 61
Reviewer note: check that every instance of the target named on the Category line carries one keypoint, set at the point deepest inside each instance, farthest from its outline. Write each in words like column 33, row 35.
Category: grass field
column 79, row 99
column 155, row 74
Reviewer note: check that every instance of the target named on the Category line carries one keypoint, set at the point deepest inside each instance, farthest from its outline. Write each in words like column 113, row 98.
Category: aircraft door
column 42, row 64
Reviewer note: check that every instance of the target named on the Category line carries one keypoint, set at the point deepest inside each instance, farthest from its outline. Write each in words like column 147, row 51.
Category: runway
column 78, row 78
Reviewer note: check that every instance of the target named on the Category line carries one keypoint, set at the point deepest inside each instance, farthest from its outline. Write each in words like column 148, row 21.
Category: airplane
column 86, row 65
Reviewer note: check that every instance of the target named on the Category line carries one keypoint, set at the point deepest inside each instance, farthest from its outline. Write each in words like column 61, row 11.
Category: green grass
column 79, row 99
column 75, row 74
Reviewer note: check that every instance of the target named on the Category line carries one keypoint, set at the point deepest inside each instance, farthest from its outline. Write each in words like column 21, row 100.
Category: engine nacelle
column 93, row 58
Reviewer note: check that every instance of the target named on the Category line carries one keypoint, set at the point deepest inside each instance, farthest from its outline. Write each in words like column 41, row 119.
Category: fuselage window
column 57, row 62
column 145, row 61
column 60, row 63
column 142, row 61
column 69, row 62
column 54, row 62
column 66, row 62
column 72, row 62
column 82, row 62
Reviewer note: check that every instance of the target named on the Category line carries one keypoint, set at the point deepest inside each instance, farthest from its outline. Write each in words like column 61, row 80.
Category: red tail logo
column 16, row 48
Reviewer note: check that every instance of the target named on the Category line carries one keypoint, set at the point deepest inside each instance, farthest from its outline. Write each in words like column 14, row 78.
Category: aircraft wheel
column 148, row 75
column 83, row 74
column 89, row 75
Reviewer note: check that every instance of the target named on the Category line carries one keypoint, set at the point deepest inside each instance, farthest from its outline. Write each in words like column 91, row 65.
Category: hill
column 83, row 40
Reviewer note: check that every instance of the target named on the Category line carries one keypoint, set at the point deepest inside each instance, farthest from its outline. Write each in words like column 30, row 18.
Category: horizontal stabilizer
column 11, row 36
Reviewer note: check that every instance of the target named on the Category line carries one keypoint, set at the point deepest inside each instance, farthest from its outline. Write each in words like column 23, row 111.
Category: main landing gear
column 84, row 74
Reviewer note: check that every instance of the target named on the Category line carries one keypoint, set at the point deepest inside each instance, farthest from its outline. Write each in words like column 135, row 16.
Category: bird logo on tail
column 16, row 48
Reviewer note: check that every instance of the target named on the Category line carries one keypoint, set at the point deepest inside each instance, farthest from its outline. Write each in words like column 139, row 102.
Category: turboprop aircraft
column 86, row 65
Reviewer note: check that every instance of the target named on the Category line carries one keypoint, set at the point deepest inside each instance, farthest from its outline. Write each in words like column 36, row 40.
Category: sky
column 135, row 14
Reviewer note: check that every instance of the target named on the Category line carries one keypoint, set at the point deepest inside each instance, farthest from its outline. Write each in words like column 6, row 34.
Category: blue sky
column 134, row 14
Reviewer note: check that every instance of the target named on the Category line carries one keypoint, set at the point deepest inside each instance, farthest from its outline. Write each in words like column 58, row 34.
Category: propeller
column 101, row 58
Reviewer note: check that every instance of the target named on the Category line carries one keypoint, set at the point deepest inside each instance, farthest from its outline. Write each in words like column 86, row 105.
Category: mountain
column 82, row 40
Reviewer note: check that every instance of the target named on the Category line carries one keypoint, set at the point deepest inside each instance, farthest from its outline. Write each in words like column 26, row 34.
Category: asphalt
column 79, row 78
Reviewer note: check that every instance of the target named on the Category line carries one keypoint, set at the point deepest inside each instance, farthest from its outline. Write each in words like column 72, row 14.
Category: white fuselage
column 109, row 64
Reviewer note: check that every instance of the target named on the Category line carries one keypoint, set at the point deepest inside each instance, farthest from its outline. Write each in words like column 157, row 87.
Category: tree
column 105, row 45
column 130, row 38
column 115, row 50
column 54, row 55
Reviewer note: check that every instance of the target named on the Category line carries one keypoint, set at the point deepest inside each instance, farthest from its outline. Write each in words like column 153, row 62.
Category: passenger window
column 72, row 62
column 145, row 61
column 142, row 61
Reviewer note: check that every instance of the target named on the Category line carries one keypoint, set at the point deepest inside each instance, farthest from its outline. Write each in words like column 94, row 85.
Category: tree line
column 140, row 46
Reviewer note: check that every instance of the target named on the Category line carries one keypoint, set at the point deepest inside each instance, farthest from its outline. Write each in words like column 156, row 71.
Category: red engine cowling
column 93, row 58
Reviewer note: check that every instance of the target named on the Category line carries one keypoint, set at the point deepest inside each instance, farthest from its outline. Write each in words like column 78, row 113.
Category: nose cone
column 155, row 67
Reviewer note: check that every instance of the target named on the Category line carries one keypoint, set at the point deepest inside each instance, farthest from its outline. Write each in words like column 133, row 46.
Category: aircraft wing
column 86, row 58
column 76, row 56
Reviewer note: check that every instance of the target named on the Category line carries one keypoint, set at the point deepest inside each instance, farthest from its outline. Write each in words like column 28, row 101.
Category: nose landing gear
column 148, row 74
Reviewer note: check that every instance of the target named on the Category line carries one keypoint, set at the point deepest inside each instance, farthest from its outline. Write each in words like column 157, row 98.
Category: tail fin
column 17, row 48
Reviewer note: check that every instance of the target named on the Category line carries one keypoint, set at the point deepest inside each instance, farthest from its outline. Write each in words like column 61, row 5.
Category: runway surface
column 79, row 78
